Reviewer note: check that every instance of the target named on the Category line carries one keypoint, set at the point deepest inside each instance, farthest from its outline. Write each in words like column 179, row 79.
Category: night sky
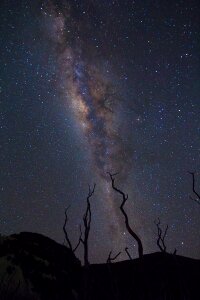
column 89, row 87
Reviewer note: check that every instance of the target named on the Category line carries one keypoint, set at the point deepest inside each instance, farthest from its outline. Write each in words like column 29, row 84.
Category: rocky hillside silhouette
column 33, row 266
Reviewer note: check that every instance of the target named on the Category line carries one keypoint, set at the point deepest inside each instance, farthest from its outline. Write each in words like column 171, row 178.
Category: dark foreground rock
column 35, row 267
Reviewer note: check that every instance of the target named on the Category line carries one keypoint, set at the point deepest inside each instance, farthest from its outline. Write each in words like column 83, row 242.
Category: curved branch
column 129, row 229
column 65, row 231
column 194, row 189
column 67, row 236
column 127, row 252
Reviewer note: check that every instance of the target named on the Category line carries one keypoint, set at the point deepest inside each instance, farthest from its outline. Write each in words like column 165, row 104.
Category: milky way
column 90, row 86
column 89, row 90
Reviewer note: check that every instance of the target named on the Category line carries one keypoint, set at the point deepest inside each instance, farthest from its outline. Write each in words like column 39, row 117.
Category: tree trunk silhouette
column 87, row 223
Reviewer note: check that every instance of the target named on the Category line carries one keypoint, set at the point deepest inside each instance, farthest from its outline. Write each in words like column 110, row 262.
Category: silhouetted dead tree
column 87, row 222
column 161, row 236
column 127, row 252
column 110, row 259
column 69, row 244
column 129, row 229
column 197, row 199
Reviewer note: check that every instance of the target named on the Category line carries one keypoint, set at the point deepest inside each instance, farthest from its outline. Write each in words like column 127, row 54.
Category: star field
column 93, row 86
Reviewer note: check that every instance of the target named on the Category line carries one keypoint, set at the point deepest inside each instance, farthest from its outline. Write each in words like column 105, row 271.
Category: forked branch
column 110, row 259
column 161, row 237
column 69, row 244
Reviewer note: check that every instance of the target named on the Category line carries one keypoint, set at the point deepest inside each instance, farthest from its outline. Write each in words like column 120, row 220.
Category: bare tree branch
column 194, row 189
column 79, row 241
column 127, row 252
column 69, row 244
column 161, row 237
column 129, row 229
column 110, row 259
column 87, row 223
column 65, row 231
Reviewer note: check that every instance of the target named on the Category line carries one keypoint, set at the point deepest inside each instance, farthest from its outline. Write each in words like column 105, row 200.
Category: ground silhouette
column 33, row 266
